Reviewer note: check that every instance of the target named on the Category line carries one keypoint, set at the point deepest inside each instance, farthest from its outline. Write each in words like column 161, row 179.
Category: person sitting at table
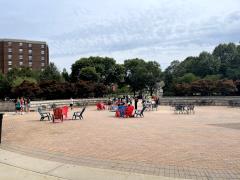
column 129, row 110
column 121, row 110
column 117, row 114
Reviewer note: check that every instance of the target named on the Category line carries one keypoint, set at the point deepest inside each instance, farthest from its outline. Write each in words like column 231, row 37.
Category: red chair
column 57, row 114
column 129, row 111
column 65, row 111
column 100, row 106
column 117, row 114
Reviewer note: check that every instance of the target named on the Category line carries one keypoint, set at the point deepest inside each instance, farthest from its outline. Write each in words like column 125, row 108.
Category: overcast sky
column 160, row 30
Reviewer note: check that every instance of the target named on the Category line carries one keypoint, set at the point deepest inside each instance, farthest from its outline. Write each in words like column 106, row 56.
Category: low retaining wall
column 214, row 101
column 48, row 103
column 210, row 101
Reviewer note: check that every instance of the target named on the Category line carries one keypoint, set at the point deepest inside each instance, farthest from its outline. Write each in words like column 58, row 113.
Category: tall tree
column 65, row 75
column 107, row 69
column 51, row 72
column 153, row 75
column 141, row 74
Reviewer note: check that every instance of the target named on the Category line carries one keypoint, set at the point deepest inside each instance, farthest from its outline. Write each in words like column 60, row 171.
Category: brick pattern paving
column 136, row 167
column 196, row 146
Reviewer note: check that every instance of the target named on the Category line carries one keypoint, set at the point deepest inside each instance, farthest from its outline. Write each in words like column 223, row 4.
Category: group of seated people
column 121, row 109
column 124, row 110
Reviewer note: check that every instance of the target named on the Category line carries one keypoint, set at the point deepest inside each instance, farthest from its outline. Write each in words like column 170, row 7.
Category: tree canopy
column 216, row 73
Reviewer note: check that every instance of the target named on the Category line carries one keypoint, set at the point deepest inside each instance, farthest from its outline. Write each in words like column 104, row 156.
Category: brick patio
column 205, row 145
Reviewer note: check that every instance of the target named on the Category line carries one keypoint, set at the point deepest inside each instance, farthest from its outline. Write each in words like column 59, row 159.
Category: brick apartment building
column 23, row 53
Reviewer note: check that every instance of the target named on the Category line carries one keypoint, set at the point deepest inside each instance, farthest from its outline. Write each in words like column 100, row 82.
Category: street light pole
column 1, row 118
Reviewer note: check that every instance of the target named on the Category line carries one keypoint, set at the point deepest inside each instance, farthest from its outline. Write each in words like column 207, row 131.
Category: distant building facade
column 23, row 53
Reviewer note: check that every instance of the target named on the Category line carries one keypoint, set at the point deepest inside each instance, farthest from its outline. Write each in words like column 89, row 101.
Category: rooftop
column 23, row 41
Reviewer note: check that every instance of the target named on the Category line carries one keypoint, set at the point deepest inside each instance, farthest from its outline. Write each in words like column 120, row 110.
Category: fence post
column 1, row 118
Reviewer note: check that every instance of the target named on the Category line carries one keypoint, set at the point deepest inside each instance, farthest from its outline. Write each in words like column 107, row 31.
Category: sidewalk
column 14, row 166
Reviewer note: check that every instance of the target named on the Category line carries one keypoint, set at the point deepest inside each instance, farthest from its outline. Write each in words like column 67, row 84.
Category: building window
column 42, row 46
column 9, row 50
column 20, row 63
column 42, row 52
column 9, row 69
column 20, row 44
column 20, row 56
column 30, row 51
column 20, row 50
column 42, row 64
column 29, row 45
column 9, row 63
column 9, row 56
column 30, row 58
column 42, row 58
column 30, row 64
column 9, row 43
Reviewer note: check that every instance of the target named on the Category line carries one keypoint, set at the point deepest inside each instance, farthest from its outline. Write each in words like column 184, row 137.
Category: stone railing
column 211, row 100
column 48, row 104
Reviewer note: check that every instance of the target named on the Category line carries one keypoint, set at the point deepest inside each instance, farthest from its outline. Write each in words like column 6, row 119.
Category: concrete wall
column 216, row 101
column 49, row 103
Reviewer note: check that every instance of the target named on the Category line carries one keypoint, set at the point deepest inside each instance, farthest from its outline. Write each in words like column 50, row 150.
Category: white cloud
column 159, row 30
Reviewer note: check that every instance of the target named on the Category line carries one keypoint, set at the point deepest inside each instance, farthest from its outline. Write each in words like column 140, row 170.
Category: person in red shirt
column 129, row 110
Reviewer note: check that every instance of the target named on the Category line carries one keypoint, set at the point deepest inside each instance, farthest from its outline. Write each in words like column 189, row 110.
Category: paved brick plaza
column 208, row 140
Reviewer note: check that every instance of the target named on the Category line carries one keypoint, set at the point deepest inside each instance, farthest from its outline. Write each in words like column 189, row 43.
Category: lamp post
column 1, row 118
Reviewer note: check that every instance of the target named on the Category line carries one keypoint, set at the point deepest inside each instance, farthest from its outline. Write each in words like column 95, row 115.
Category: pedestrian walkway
column 15, row 166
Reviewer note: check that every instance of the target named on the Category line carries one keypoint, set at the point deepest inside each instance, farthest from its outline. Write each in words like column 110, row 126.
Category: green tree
column 89, row 74
column 65, row 75
column 24, row 72
column 109, row 72
column 4, row 86
column 136, row 74
column 207, row 65
column 51, row 72
column 153, row 75
column 225, row 53
column 26, row 89
column 187, row 78
column 19, row 80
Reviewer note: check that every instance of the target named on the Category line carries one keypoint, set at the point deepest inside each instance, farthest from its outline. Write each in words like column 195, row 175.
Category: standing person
column 136, row 102
column 71, row 103
column 25, row 104
column 127, row 99
column 18, row 105
column 28, row 104
column 22, row 105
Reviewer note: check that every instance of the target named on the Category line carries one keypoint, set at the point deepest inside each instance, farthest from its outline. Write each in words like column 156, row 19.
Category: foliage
column 4, row 86
column 216, row 73
column 26, row 89
column 222, row 66
column 65, row 75
column 51, row 73
column 19, row 80
column 140, row 74
column 89, row 74
column 106, row 68
column 187, row 78
column 206, row 88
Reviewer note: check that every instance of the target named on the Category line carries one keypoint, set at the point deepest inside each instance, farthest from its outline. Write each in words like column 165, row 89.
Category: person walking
column 136, row 102
column 18, row 106
column 71, row 103
column 28, row 104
